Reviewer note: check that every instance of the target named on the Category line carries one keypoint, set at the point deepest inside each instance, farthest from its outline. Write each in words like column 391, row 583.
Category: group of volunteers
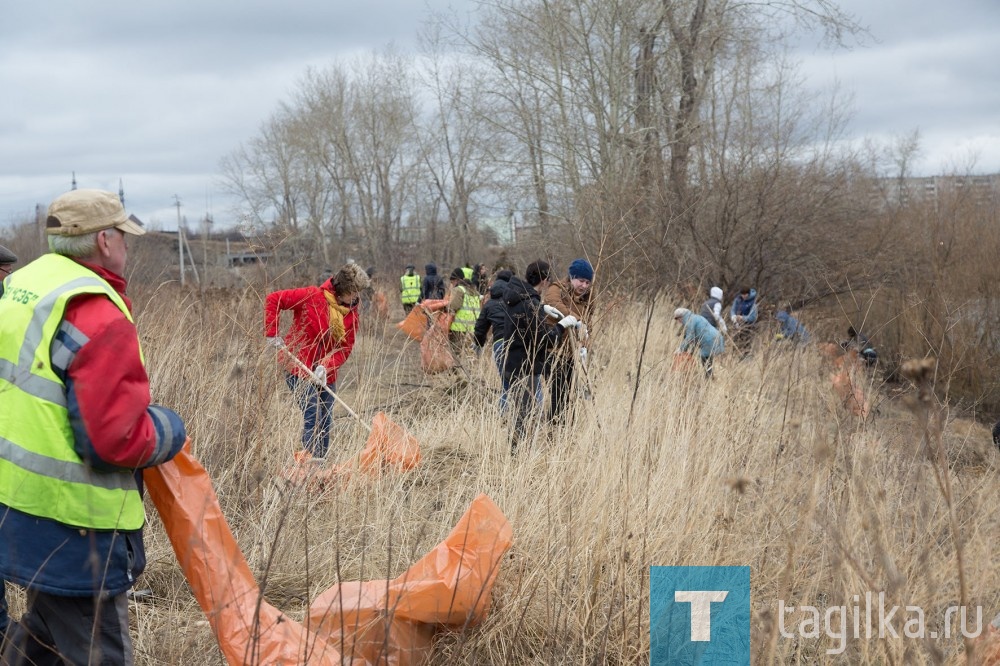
column 78, row 425
column 705, row 332
column 529, row 342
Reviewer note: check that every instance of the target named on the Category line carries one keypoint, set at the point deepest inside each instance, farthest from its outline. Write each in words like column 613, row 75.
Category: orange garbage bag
column 415, row 324
column 387, row 621
column 447, row 586
column 389, row 446
column 435, row 351
column 988, row 644
column 434, row 305
column 249, row 630
column 846, row 379
column 381, row 305
column 684, row 362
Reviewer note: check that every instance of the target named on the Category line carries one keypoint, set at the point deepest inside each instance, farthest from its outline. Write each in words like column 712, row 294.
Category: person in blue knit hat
column 571, row 296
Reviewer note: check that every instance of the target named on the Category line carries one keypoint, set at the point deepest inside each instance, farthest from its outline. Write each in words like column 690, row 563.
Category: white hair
column 79, row 247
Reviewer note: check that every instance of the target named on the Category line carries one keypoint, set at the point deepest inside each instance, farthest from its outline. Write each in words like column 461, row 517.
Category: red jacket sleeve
column 276, row 301
column 108, row 392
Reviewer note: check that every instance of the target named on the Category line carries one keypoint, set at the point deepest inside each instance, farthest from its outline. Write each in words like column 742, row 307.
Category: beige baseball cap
column 85, row 211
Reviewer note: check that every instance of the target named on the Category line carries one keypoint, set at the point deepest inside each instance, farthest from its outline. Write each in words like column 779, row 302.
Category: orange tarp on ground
column 371, row 622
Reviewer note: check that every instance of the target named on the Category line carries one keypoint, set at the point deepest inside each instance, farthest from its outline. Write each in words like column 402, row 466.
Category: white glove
column 582, row 333
column 569, row 321
column 552, row 312
column 276, row 342
column 320, row 373
column 583, row 355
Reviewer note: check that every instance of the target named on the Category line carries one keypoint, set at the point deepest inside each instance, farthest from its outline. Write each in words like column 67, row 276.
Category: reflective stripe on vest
column 465, row 318
column 40, row 472
column 410, row 291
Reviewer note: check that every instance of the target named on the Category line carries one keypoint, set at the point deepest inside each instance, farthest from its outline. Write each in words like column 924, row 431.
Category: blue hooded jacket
column 697, row 331
column 745, row 308
column 791, row 329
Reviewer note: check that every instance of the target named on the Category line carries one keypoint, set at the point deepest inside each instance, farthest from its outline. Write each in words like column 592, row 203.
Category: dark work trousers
column 561, row 386
column 76, row 631
column 524, row 398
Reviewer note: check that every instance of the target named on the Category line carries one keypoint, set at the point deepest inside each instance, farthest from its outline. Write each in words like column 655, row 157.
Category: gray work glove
column 276, row 342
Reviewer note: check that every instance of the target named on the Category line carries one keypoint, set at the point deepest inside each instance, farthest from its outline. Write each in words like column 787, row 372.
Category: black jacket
column 492, row 314
column 528, row 338
column 433, row 287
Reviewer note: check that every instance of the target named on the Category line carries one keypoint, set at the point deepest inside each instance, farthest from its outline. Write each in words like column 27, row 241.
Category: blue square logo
column 699, row 615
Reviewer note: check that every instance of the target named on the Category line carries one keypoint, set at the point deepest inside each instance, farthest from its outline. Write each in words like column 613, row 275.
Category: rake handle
column 337, row 398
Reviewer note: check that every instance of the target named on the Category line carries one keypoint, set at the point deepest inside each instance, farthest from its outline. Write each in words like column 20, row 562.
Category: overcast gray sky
column 157, row 92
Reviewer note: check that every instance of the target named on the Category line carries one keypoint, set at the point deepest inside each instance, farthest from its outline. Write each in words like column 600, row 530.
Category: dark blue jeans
column 317, row 411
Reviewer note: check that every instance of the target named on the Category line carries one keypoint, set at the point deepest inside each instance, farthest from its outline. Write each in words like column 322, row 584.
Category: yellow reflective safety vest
column 409, row 289
column 467, row 272
column 40, row 472
column 465, row 318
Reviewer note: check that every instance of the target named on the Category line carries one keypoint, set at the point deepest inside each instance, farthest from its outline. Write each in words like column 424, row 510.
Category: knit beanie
column 536, row 271
column 715, row 292
column 581, row 268
column 504, row 275
column 457, row 274
column 680, row 312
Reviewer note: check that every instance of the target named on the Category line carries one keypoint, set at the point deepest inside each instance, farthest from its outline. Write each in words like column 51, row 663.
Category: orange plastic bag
column 386, row 621
column 845, row 378
column 380, row 305
column 415, row 324
column 988, row 644
column 447, row 586
column 389, row 446
column 435, row 352
column 433, row 305
column 683, row 362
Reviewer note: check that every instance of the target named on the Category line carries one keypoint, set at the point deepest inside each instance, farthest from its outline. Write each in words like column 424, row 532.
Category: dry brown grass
column 758, row 467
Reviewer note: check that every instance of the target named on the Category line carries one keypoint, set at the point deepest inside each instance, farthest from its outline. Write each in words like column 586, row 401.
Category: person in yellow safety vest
column 465, row 303
column 76, row 429
column 409, row 288
column 467, row 272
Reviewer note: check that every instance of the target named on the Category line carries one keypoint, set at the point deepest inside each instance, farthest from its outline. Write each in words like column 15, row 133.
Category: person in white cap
column 711, row 309
column 76, row 428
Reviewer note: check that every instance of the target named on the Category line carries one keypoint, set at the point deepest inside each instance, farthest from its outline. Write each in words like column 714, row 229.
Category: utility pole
column 180, row 236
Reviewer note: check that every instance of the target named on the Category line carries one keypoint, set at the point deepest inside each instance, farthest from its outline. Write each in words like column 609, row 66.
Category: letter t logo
column 701, row 610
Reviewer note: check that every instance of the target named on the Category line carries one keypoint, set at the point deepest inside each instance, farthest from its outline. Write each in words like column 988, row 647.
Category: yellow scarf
column 337, row 314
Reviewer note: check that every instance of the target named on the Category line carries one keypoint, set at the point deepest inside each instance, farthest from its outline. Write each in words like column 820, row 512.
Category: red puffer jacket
column 309, row 337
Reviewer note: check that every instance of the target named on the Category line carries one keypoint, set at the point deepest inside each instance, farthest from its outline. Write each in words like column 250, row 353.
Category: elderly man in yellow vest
column 409, row 288
column 76, row 423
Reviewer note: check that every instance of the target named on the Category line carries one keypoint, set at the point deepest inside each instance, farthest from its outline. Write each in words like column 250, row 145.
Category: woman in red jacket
column 324, row 324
